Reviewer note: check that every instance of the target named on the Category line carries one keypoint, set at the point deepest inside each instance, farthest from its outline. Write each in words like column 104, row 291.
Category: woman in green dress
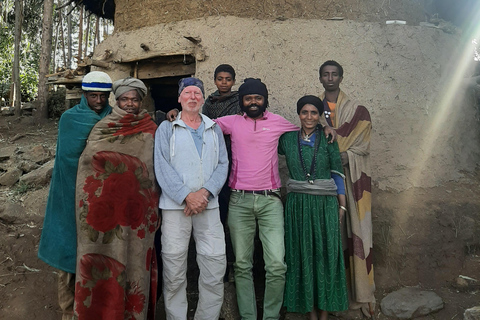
column 315, row 280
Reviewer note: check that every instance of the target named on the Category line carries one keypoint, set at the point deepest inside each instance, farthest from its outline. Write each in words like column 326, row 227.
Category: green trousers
column 244, row 211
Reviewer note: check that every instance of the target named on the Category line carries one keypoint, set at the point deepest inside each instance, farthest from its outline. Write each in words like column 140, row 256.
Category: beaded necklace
column 308, row 175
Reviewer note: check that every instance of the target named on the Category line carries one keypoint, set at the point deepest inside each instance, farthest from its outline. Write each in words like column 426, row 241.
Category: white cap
column 96, row 81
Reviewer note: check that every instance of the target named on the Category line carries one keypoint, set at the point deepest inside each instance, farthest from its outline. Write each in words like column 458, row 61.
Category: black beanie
column 313, row 100
column 253, row 86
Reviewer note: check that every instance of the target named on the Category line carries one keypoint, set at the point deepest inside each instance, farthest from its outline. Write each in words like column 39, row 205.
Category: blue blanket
column 58, row 244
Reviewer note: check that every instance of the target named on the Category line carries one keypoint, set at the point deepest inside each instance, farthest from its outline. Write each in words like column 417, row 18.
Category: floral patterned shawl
column 117, row 216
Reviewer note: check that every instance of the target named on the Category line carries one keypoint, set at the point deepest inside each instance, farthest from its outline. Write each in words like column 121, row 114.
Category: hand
column 172, row 115
column 196, row 202
column 342, row 207
column 344, row 157
column 330, row 131
column 341, row 214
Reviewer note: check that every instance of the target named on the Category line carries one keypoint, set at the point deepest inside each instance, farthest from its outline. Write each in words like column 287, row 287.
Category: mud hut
column 407, row 73
column 396, row 70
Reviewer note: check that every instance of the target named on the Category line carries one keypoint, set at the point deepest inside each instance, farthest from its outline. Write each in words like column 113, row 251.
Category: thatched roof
column 101, row 8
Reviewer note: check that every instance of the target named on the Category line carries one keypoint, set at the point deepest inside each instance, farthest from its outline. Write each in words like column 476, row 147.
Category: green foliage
column 6, row 60
column 29, row 76
column 56, row 102
column 29, row 47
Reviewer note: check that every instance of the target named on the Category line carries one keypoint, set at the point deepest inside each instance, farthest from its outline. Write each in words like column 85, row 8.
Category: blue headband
column 191, row 81
column 93, row 85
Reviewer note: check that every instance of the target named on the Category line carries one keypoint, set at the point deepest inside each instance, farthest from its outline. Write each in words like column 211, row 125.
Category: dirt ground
column 422, row 237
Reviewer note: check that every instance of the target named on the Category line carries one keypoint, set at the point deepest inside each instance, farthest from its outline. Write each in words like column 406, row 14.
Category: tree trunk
column 69, row 31
column 87, row 34
column 105, row 28
column 44, row 65
column 96, row 38
column 80, row 34
column 17, row 99
column 54, row 55
column 63, row 38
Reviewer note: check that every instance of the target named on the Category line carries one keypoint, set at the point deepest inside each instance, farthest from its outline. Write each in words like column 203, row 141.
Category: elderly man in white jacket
column 191, row 167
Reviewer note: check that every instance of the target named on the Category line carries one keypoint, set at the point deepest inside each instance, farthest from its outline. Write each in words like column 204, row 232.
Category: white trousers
column 210, row 245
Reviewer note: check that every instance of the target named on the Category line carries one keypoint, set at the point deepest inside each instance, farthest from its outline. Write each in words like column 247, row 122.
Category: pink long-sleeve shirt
column 254, row 149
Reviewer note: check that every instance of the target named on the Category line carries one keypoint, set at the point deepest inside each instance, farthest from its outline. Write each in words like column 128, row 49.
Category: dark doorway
column 164, row 93
column 162, row 74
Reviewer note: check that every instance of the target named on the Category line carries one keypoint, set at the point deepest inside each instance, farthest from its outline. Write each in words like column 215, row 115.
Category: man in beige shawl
column 353, row 125
column 117, row 213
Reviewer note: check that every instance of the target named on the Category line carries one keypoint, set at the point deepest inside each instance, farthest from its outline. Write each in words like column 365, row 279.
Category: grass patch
column 22, row 187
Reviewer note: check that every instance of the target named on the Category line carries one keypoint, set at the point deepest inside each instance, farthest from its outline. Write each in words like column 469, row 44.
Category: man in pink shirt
column 255, row 183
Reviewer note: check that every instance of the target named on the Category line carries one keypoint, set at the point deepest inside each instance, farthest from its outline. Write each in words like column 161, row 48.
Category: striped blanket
column 353, row 125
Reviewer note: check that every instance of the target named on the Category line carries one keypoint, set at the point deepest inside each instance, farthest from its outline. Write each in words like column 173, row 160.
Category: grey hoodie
column 180, row 170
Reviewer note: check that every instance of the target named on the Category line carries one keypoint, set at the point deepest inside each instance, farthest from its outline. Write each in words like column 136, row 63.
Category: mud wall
column 151, row 12
column 401, row 73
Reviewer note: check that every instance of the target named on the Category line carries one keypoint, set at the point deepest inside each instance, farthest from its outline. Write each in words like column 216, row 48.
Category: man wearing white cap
column 58, row 244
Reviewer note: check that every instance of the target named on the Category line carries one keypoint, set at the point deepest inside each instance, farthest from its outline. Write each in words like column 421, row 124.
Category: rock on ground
column 28, row 166
column 408, row 303
column 12, row 212
column 39, row 177
column 10, row 177
column 35, row 202
column 472, row 313
column 38, row 154
column 7, row 152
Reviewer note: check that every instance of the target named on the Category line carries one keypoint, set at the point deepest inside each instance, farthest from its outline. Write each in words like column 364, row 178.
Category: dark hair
column 331, row 63
column 224, row 68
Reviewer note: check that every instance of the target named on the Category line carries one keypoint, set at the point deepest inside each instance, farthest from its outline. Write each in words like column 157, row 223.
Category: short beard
column 254, row 114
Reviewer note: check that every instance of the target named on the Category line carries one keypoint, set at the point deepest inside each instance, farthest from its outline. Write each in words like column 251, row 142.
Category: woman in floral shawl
column 117, row 213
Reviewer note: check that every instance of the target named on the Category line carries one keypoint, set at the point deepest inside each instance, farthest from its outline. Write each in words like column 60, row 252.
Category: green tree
column 29, row 48
column 6, row 60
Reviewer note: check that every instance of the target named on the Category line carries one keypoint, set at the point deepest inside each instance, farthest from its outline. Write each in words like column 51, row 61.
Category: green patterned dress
column 313, row 244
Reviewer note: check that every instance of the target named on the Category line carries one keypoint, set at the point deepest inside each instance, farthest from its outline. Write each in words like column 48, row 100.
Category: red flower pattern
column 117, row 185
column 91, row 186
column 122, row 201
column 153, row 218
column 81, row 294
column 101, row 216
column 98, row 294
column 131, row 124
column 132, row 211
column 107, row 301
column 135, row 301
column 100, row 263
column 151, row 228
column 115, row 158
